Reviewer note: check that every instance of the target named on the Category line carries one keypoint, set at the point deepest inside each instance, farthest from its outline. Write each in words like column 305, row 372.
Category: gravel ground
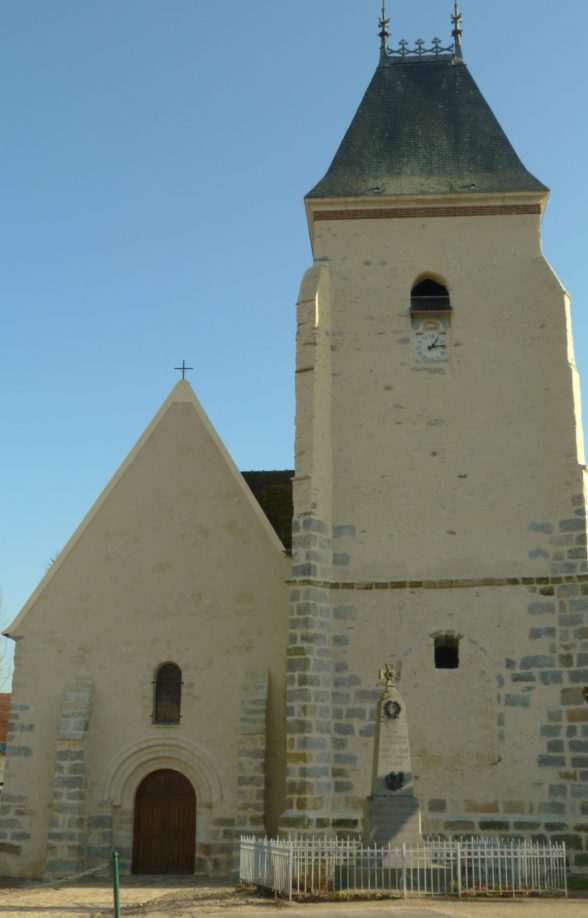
column 177, row 897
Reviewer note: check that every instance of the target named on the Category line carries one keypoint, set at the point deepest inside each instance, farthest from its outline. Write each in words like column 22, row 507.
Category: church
column 202, row 658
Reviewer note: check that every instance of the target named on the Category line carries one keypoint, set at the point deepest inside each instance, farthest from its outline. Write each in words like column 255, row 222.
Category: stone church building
column 202, row 659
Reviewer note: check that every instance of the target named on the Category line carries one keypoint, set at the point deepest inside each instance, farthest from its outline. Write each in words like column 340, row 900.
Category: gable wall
column 174, row 566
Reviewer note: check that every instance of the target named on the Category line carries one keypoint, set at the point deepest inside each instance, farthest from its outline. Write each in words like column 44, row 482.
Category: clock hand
column 434, row 344
column 437, row 345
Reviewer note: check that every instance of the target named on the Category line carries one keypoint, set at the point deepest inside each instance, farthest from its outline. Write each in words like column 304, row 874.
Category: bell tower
column 439, row 502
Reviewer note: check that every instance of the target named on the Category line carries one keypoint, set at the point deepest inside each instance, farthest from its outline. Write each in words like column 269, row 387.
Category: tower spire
column 456, row 19
column 384, row 33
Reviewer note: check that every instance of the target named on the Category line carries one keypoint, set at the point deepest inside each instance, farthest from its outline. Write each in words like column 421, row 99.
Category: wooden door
column 164, row 839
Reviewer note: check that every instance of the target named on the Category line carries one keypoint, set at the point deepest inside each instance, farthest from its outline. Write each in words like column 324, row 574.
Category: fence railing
column 479, row 866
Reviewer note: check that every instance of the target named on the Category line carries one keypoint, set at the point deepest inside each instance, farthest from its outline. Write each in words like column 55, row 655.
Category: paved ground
column 174, row 897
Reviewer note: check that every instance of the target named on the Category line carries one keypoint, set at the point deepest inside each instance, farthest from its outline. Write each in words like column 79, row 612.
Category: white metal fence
column 325, row 867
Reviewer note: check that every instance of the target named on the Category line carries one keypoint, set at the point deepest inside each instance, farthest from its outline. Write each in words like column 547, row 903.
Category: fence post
column 290, row 871
column 115, row 884
column 404, row 893
column 458, row 867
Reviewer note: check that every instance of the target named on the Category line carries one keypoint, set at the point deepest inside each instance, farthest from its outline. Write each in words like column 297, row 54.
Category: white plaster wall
column 441, row 469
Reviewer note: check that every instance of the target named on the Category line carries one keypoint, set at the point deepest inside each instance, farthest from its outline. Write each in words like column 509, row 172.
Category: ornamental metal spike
column 457, row 20
column 384, row 33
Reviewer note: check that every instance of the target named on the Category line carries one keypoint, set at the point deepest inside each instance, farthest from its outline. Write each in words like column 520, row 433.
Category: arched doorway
column 164, row 839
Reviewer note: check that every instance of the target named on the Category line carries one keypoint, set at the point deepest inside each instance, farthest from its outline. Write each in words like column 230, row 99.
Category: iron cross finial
column 457, row 20
column 183, row 369
column 384, row 33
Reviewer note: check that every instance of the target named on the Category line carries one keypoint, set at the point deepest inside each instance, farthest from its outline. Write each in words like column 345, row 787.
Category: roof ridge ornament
column 420, row 49
column 384, row 33
column 457, row 20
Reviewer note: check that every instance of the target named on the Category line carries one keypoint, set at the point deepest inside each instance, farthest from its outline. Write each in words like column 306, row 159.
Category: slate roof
column 424, row 127
column 273, row 491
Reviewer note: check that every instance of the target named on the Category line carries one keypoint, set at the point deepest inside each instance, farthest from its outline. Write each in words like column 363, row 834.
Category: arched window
column 446, row 652
column 167, row 696
column 429, row 296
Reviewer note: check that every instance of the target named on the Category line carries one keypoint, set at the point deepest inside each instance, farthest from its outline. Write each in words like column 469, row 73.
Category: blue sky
column 154, row 159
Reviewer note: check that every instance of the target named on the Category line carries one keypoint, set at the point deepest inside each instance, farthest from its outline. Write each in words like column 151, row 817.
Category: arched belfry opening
column 429, row 295
column 164, row 836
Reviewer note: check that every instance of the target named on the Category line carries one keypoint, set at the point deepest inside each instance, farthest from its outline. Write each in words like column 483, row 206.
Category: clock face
column 430, row 343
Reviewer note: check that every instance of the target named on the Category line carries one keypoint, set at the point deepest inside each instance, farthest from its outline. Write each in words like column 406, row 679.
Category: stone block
column 538, row 661
column 571, row 696
column 551, row 677
column 552, row 808
column 576, row 745
column 459, row 825
column 574, row 524
column 14, row 751
column 437, row 805
column 538, row 633
column 572, row 842
column 348, row 531
column 565, row 567
column 579, row 676
column 555, row 745
column 10, row 848
column 551, row 730
column 551, row 761
column 568, row 590
column 309, row 524
column 340, row 559
column 478, row 806
column 517, row 701
column 571, row 619
column 514, row 806
column 344, row 729
column 541, row 608
column 544, row 527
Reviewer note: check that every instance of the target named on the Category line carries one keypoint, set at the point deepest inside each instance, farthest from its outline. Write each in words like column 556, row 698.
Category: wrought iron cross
column 183, row 369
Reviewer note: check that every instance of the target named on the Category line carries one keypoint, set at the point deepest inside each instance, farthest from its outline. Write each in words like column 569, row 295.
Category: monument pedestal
column 393, row 820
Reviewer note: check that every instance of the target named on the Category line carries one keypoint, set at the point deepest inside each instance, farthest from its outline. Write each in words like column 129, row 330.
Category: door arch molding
column 135, row 762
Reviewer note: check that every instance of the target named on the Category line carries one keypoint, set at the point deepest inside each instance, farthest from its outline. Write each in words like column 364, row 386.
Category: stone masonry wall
column 66, row 840
column 15, row 812
column 309, row 683
column 251, row 770
column 544, row 679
